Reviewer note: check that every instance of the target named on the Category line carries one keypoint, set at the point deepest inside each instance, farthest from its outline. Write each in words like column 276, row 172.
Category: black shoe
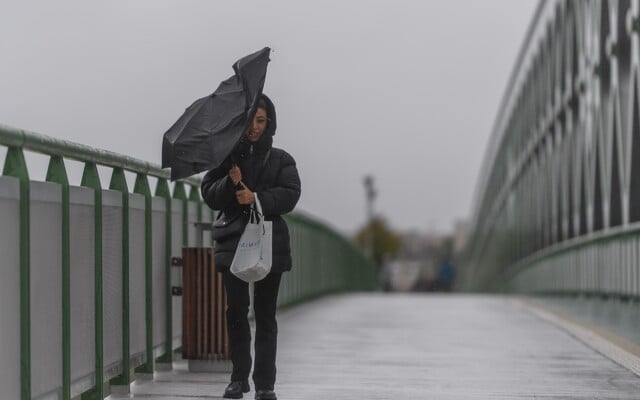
column 266, row 395
column 235, row 389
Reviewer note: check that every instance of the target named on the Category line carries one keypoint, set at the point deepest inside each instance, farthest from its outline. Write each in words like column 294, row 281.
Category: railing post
column 180, row 193
column 194, row 195
column 119, row 183
column 91, row 179
column 16, row 166
column 142, row 187
column 57, row 173
column 162, row 190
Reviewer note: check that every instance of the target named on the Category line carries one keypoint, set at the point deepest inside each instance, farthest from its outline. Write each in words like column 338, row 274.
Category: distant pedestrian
column 255, row 168
column 445, row 277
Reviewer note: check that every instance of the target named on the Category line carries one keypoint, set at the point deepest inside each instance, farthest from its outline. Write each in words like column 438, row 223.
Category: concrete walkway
column 379, row 346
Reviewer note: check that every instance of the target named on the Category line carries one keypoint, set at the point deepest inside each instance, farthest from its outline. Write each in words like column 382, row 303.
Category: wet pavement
column 380, row 346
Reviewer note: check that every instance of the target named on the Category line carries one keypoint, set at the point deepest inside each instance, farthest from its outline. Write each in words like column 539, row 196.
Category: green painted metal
column 12, row 137
column 57, row 173
column 180, row 193
column 142, row 187
column 591, row 240
column 194, row 195
column 91, row 179
column 162, row 190
column 355, row 270
column 119, row 183
column 325, row 261
column 559, row 193
column 16, row 166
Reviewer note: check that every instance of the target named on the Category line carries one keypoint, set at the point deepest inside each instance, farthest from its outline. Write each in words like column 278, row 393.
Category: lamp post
column 370, row 193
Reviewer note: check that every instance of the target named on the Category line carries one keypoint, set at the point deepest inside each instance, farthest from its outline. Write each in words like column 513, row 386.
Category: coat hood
column 271, row 113
column 266, row 140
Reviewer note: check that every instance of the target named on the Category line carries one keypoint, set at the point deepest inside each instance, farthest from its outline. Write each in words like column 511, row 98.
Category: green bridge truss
column 557, row 207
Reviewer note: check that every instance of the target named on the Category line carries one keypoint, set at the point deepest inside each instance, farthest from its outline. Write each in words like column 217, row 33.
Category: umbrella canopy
column 204, row 136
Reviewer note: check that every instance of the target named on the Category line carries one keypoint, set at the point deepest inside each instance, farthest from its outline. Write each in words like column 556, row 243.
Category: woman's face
column 258, row 125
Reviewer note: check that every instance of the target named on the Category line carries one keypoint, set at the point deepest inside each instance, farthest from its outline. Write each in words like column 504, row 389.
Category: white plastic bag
column 253, row 257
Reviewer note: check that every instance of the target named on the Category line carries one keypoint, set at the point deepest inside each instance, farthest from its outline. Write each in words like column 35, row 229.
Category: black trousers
column 264, row 307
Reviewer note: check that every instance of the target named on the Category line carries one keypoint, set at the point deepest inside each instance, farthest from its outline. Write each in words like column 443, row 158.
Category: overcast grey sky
column 406, row 91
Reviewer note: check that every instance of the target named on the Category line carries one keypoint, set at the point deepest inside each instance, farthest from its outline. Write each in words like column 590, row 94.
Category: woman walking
column 255, row 168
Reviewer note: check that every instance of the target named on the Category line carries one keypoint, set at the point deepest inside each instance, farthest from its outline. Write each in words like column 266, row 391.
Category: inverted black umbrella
column 204, row 136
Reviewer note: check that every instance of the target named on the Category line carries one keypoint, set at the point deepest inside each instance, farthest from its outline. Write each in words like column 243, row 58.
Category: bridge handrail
column 129, row 233
column 573, row 244
column 20, row 138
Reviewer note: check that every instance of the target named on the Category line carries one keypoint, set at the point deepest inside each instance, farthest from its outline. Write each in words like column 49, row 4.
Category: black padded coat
column 267, row 171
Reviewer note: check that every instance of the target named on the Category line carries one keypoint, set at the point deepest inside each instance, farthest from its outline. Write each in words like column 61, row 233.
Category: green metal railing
column 557, row 206
column 324, row 261
column 603, row 264
column 15, row 165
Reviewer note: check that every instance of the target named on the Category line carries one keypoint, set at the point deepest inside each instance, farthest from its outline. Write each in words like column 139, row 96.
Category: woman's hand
column 235, row 175
column 244, row 195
